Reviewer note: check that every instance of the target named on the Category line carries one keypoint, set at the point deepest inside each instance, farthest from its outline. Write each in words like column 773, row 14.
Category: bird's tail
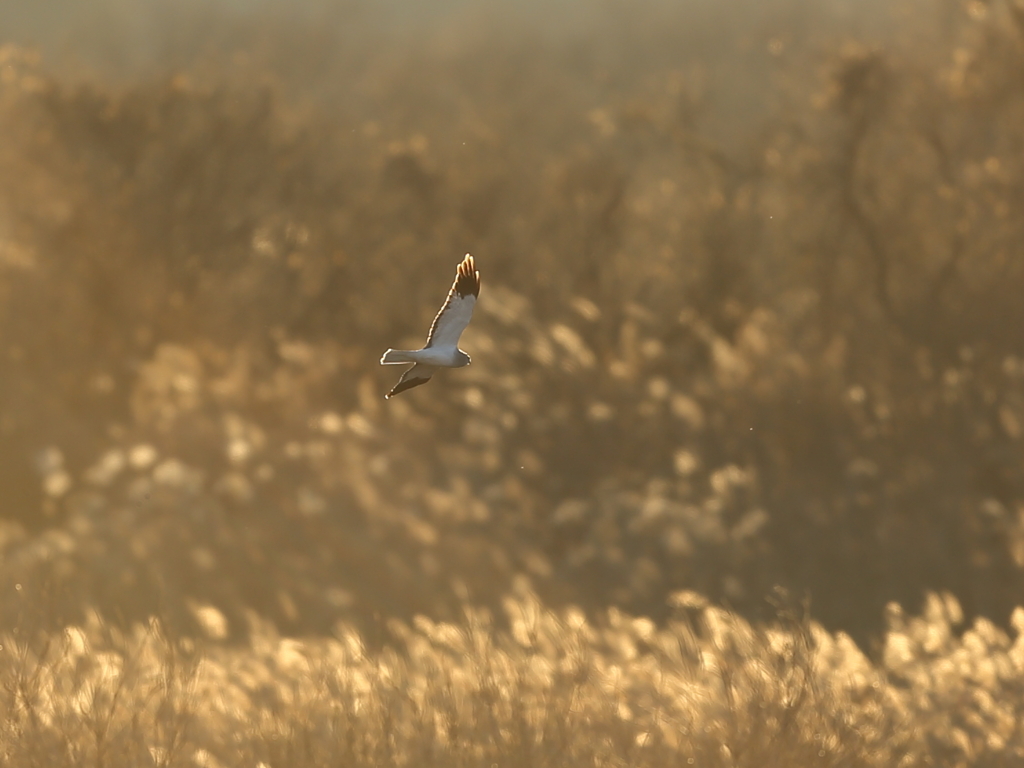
column 397, row 356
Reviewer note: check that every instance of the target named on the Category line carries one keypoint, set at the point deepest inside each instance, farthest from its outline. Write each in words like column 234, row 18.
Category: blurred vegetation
column 751, row 318
column 705, row 689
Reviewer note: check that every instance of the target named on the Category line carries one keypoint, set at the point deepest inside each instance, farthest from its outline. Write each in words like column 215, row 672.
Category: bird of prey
column 442, row 347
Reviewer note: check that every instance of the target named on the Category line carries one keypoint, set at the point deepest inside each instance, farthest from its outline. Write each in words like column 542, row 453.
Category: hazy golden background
column 751, row 314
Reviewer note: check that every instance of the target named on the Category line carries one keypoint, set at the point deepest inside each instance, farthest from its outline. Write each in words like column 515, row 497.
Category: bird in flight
column 442, row 347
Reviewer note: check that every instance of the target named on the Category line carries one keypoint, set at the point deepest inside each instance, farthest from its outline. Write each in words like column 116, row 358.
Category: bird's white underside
column 441, row 357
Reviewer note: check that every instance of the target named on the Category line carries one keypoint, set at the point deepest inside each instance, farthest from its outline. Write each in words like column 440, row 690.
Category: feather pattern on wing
column 418, row 374
column 457, row 311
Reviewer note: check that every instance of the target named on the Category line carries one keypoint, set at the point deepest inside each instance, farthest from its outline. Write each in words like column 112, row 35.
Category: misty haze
column 735, row 478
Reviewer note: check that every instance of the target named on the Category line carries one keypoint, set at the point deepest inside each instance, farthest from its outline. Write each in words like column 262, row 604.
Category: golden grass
column 548, row 689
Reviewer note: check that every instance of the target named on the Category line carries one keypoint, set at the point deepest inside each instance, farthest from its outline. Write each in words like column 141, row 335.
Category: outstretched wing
column 418, row 374
column 454, row 316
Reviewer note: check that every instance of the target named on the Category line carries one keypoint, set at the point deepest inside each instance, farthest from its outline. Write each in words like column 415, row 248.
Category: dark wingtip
column 404, row 386
column 467, row 279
